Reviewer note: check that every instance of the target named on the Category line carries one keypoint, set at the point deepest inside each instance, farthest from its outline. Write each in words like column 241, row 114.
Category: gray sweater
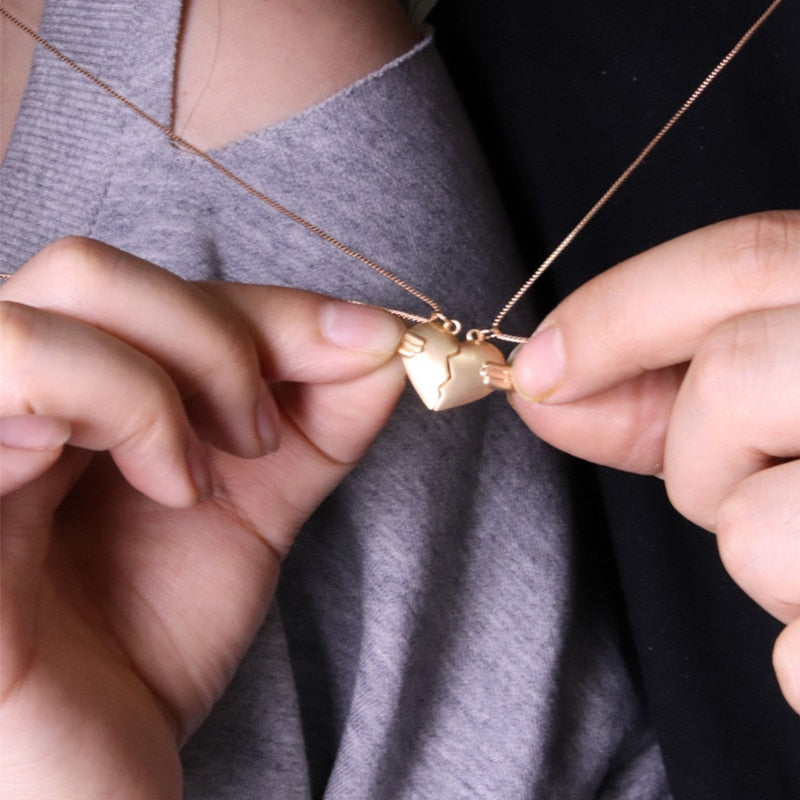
column 442, row 628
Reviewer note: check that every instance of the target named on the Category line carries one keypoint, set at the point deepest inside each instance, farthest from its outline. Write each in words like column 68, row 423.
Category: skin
column 682, row 362
column 16, row 55
column 146, row 508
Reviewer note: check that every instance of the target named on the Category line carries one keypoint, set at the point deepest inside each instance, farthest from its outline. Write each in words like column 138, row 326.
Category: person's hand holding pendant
column 683, row 362
column 160, row 444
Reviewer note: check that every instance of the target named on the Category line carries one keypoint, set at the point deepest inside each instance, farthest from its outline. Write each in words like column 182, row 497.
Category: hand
column 140, row 549
column 683, row 362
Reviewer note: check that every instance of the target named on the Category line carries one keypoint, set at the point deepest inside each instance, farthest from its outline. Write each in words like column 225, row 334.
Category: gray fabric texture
column 442, row 628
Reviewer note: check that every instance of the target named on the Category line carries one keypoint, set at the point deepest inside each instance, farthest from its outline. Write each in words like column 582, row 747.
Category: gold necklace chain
column 493, row 332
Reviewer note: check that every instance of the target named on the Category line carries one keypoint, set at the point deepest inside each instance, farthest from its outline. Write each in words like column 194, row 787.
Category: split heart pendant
column 447, row 372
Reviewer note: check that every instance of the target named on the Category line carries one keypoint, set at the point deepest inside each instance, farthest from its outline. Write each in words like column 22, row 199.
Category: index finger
column 651, row 311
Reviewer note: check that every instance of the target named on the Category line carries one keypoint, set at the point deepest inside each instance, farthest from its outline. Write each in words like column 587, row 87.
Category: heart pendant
column 447, row 372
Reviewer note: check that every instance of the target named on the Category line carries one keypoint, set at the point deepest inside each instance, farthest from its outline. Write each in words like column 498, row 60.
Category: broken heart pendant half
column 448, row 372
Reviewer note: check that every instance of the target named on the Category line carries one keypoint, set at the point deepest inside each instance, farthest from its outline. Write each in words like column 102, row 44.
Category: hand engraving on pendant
column 446, row 372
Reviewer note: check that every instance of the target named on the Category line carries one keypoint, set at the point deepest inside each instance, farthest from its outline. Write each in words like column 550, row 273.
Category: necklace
column 444, row 370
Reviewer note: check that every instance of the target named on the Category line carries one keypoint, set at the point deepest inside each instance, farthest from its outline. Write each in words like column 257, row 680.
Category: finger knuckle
column 757, row 532
column 726, row 364
column 68, row 251
column 76, row 261
column 761, row 251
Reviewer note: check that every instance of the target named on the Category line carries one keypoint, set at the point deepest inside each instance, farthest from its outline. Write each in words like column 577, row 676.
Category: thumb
column 607, row 361
column 332, row 364
column 29, row 445
column 653, row 310
column 624, row 427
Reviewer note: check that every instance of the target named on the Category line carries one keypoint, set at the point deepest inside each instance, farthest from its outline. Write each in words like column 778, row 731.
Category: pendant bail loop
column 479, row 334
column 450, row 325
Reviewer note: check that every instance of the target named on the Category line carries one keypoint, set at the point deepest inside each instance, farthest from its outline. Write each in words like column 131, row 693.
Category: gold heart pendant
column 447, row 372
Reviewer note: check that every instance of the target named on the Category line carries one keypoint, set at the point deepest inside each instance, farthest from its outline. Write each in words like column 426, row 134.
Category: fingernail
column 359, row 327
column 538, row 368
column 199, row 469
column 34, row 432
column 267, row 422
